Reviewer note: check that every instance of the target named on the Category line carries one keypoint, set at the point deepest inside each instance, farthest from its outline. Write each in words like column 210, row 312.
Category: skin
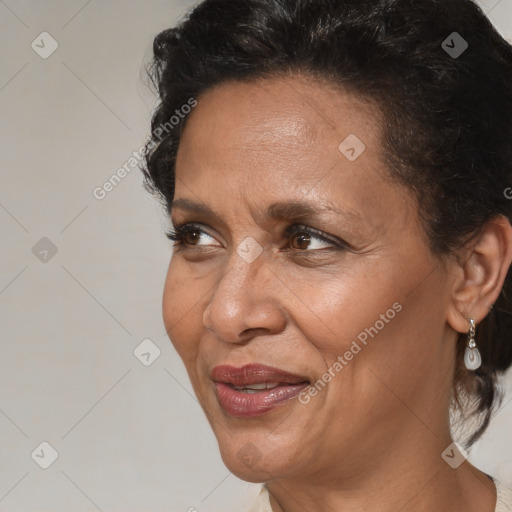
column 372, row 438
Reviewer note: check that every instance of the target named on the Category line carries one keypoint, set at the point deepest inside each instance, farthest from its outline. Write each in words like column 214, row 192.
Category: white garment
column 503, row 502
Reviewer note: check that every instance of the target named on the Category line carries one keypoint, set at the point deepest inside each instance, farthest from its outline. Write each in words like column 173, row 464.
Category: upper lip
column 254, row 374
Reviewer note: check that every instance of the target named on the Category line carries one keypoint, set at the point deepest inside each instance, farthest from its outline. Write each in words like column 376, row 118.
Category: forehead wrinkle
column 295, row 210
column 275, row 130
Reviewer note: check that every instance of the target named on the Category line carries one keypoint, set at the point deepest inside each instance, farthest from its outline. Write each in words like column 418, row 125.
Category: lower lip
column 247, row 405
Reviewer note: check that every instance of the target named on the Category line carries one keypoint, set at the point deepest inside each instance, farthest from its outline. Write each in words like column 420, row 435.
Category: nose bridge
column 241, row 299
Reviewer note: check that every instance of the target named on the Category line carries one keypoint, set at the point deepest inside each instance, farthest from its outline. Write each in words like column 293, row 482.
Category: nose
column 245, row 302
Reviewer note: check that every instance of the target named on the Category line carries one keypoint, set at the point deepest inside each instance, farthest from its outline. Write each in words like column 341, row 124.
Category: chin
column 251, row 471
column 256, row 457
column 250, row 475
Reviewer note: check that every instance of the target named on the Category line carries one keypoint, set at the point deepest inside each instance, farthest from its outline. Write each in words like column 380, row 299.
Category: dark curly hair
column 447, row 117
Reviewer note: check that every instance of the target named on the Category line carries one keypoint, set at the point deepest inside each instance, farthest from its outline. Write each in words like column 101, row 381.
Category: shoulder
column 504, row 497
column 262, row 503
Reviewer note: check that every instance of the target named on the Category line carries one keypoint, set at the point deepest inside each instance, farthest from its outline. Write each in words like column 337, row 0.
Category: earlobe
column 481, row 274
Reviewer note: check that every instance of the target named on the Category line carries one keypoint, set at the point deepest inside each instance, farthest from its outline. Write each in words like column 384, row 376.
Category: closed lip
column 254, row 374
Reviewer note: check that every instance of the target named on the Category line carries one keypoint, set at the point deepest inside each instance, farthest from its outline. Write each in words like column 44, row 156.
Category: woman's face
column 303, row 271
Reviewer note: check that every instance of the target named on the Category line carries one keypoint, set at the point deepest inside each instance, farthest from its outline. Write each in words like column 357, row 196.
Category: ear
column 480, row 274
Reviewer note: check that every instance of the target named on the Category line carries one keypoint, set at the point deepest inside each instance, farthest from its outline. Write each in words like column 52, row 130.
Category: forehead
column 281, row 113
column 282, row 124
column 266, row 141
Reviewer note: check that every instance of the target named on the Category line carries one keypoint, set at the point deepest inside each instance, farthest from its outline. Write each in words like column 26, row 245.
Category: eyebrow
column 283, row 210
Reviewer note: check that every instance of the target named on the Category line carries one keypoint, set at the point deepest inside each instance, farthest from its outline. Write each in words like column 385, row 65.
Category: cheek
column 332, row 307
column 389, row 345
column 373, row 316
column 181, row 311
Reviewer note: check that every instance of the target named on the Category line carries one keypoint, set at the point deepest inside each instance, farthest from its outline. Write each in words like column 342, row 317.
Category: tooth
column 259, row 387
column 256, row 386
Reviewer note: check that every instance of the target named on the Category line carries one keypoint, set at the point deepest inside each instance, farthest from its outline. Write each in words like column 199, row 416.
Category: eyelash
column 177, row 235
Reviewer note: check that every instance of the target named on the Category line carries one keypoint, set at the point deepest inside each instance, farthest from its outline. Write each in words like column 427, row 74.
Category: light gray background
column 129, row 437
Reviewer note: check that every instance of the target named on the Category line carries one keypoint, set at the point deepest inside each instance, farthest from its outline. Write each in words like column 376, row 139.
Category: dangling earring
column 472, row 357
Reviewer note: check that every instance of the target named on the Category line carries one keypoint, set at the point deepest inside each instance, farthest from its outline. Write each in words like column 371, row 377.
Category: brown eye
column 191, row 236
column 310, row 240
column 300, row 241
